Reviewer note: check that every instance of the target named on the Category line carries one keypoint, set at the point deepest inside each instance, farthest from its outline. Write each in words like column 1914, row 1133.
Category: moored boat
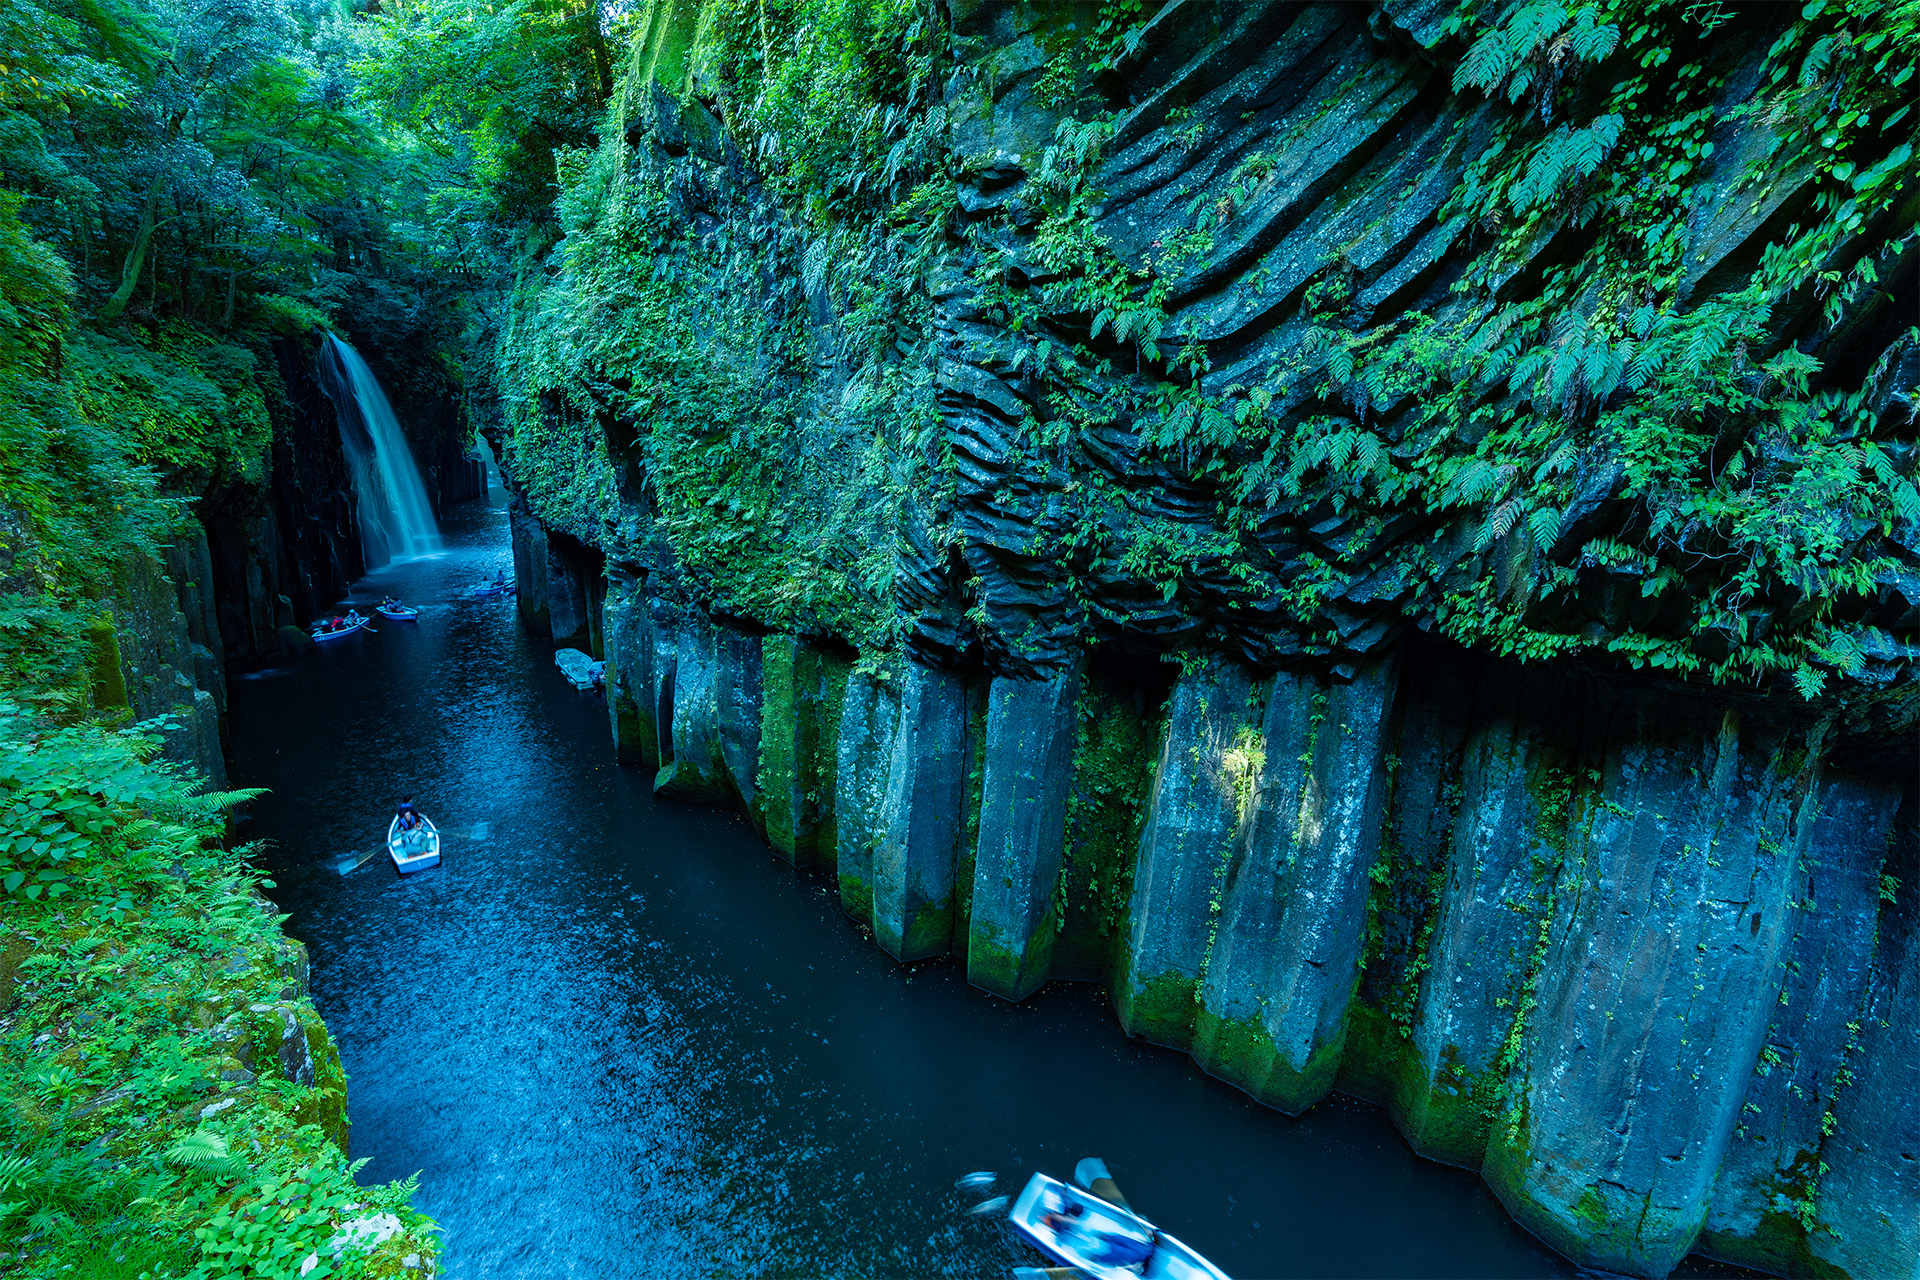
column 414, row 850
column 1099, row 1238
column 351, row 623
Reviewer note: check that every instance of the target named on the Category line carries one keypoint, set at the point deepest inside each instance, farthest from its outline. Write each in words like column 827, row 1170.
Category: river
column 618, row 1036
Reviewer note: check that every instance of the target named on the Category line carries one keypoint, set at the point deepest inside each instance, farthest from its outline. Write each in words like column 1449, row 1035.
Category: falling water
column 396, row 522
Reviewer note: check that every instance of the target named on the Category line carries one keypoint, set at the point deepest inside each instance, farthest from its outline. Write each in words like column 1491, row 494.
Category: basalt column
column 863, row 757
column 1285, row 951
column 923, row 817
column 1865, row 1179
column 1508, row 842
column 803, row 688
column 1193, row 820
column 710, row 681
column 1655, row 983
column 1833, row 973
column 1027, row 775
column 632, row 686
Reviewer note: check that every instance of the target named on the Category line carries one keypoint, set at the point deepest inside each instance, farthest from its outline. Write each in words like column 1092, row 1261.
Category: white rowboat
column 414, row 850
column 1100, row 1239
column 346, row 630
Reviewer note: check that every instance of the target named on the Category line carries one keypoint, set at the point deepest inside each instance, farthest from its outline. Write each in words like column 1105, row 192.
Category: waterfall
column 396, row 521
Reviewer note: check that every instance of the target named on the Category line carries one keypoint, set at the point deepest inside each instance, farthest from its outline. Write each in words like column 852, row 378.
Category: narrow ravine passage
column 617, row 1033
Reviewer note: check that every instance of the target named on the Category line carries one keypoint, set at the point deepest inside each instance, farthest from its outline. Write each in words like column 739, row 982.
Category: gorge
column 1381, row 540
column 1239, row 560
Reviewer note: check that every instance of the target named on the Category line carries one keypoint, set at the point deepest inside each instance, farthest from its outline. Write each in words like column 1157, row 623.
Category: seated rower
column 409, row 817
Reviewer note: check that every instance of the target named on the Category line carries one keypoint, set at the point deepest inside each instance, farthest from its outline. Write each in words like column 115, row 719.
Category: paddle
column 1092, row 1175
column 354, row 861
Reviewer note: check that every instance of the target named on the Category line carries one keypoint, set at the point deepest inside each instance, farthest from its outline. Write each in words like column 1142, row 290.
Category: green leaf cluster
column 152, row 1117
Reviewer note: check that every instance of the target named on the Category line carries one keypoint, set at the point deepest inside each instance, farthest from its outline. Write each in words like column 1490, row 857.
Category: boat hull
column 400, row 615
column 413, row 850
column 1080, row 1246
column 321, row 637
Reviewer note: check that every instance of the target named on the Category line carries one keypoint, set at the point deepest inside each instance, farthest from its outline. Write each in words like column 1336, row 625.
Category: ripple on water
column 618, row 1034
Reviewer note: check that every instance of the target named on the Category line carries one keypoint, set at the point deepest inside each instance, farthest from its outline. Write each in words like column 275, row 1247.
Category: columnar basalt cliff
column 1384, row 536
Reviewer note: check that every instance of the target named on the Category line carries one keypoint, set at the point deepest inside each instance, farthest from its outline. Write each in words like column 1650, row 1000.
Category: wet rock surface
column 1639, row 948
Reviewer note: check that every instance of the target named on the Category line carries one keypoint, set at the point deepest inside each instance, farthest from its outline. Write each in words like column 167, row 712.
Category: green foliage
column 643, row 349
column 837, row 97
column 1605, row 375
column 1758, row 482
column 496, row 94
column 149, row 1121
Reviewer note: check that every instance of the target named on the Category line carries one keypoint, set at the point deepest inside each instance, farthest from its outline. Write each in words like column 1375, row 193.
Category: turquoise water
column 619, row 1037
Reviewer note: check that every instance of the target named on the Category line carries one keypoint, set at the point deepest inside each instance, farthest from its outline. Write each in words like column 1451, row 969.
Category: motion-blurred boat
column 1100, row 1239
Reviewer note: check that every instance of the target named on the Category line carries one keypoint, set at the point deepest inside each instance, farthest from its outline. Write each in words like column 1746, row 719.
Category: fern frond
column 1486, row 63
column 1544, row 524
column 1589, row 148
column 1809, row 681
column 1645, row 363
column 1559, row 460
column 204, row 1152
column 1817, row 59
column 1340, row 365
column 1708, row 342
column 214, row 801
column 1498, row 524
column 1592, row 41
column 1566, row 364
column 1600, row 371
column 1528, row 367
column 1532, row 25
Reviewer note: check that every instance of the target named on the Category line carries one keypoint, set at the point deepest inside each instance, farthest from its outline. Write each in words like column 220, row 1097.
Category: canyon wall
column 1383, row 535
column 1641, row 956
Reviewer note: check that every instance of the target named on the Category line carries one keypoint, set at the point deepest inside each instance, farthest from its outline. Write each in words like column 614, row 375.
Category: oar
column 1092, row 1175
column 354, row 861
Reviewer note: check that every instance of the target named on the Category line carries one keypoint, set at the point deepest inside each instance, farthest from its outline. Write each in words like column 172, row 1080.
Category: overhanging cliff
column 1385, row 535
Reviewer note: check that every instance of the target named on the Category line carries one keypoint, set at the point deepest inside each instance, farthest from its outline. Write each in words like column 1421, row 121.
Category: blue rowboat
column 399, row 612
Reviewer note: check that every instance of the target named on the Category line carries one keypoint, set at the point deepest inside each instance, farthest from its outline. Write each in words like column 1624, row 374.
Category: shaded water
column 620, row 1037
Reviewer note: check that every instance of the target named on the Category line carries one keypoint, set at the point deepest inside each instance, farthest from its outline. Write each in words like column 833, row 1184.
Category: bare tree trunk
column 233, row 275
column 136, row 256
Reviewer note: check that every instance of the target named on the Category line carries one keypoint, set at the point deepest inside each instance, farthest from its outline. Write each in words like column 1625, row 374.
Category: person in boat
column 408, row 816
column 1123, row 1249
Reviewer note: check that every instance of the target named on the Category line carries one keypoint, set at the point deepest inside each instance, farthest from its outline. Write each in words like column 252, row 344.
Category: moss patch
column 1113, row 759
column 1161, row 1009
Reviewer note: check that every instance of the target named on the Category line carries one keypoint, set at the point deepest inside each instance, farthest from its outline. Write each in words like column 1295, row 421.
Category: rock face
column 1661, row 980
column 1028, row 772
column 1269, row 541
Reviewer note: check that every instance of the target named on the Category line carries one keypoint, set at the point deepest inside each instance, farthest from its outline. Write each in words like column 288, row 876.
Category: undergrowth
column 172, row 1104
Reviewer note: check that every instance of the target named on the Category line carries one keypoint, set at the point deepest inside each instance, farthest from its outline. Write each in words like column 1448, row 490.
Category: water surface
column 620, row 1037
